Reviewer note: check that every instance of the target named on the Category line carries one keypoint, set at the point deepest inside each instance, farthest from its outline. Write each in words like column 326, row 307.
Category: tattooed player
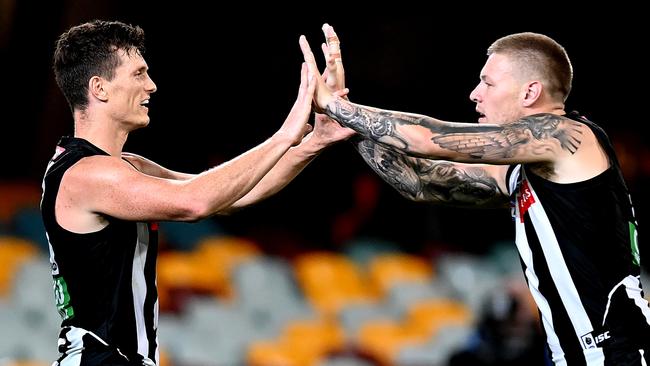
column 575, row 225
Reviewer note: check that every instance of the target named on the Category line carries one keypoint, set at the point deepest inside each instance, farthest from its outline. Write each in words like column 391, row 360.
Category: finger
column 342, row 92
column 308, row 129
column 330, row 70
column 306, row 50
column 326, row 52
column 311, row 87
column 326, row 74
column 308, row 56
column 334, row 60
column 326, row 55
column 329, row 60
column 302, row 90
column 333, row 74
column 334, row 47
column 333, row 43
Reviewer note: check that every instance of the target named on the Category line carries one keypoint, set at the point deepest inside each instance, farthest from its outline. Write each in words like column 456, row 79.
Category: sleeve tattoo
column 530, row 135
column 432, row 180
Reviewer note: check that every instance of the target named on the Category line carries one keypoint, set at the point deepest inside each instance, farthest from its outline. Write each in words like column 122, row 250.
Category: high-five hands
column 333, row 79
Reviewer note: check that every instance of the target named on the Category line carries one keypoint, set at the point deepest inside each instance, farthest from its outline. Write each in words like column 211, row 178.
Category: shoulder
column 551, row 132
column 580, row 156
column 545, row 125
column 97, row 170
column 134, row 159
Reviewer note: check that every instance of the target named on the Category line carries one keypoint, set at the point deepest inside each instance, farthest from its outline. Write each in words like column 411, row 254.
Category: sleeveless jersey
column 578, row 247
column 104, row 281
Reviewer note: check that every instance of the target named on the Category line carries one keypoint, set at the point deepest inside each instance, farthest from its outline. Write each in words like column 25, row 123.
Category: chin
column 140, row 124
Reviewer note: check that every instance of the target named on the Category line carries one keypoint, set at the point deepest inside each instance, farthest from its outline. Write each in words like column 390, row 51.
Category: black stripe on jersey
column 125, row 327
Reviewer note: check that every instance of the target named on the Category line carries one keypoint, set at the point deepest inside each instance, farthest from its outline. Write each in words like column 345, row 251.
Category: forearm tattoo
column 532, row 135
column 373, row 124
column 432, row 180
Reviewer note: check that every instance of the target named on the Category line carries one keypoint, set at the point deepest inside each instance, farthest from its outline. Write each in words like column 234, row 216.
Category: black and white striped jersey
column 578, row 247
column 104, row 281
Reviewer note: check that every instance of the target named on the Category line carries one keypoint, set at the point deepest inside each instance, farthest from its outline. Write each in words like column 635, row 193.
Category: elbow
column 414, row 198
column 196, row 209
column 193, row 210
column 410, row 195
column 417, row 198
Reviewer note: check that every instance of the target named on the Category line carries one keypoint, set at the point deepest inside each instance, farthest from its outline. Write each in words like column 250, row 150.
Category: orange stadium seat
column 17, row 195
column 13, row 252
column 205, row 270
column 222, row 254
column 273, row 353
column 431, row 315
column 386, row 270
column 331, row 281
column 384, row 339
column 314, row 338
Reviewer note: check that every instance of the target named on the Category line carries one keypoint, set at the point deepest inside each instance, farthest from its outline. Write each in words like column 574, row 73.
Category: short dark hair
column 88, row 50
column 539, row 56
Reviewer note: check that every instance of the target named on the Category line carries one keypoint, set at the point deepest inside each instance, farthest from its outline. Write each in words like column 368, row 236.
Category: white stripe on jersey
column 643, row 363
column 139, row 287
column 514, row 178
column 75, row 338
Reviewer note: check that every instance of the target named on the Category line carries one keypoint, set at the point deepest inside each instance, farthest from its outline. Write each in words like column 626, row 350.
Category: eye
column 140, row 72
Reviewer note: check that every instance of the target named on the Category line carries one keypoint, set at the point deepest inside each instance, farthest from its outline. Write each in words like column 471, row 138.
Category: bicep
column 149, row 167
column 108, row 186
column 419, row 179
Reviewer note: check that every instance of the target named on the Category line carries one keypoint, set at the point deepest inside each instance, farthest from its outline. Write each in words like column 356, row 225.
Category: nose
column 474, row 95
column 151, row 86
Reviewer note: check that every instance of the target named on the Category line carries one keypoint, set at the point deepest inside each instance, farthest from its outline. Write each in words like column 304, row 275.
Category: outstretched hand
column 334, row 74
column 327, row 130
column 322, row 94
column 295, row 125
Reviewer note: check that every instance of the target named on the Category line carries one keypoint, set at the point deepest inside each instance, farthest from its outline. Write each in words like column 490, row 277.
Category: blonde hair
column 538, row 56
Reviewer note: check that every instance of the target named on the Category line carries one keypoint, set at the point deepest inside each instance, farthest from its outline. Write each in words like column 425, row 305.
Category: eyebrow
column 142, row 69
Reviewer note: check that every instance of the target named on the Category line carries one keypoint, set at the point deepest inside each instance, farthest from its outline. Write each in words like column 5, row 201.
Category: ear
column 533, row 92
column 96, row 87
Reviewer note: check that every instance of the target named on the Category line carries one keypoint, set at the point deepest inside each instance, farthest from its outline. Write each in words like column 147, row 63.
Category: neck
column 104, row 133
column 553, row 108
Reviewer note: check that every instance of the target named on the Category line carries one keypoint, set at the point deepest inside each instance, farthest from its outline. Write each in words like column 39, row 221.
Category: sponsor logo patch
column 592, row 341
column 525, row 199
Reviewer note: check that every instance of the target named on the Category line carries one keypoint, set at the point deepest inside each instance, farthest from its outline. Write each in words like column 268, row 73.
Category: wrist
column 324, row 101
column 312, row 146
column 281, row 139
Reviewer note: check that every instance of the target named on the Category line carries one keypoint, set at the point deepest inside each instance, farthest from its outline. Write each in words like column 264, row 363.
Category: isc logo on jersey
column 591, row 341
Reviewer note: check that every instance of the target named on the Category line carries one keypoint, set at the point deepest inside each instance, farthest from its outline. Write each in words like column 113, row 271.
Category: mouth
column 145, row 104
column 481, row 117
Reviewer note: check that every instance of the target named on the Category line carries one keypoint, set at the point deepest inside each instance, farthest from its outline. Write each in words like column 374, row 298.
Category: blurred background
column 338, row 268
